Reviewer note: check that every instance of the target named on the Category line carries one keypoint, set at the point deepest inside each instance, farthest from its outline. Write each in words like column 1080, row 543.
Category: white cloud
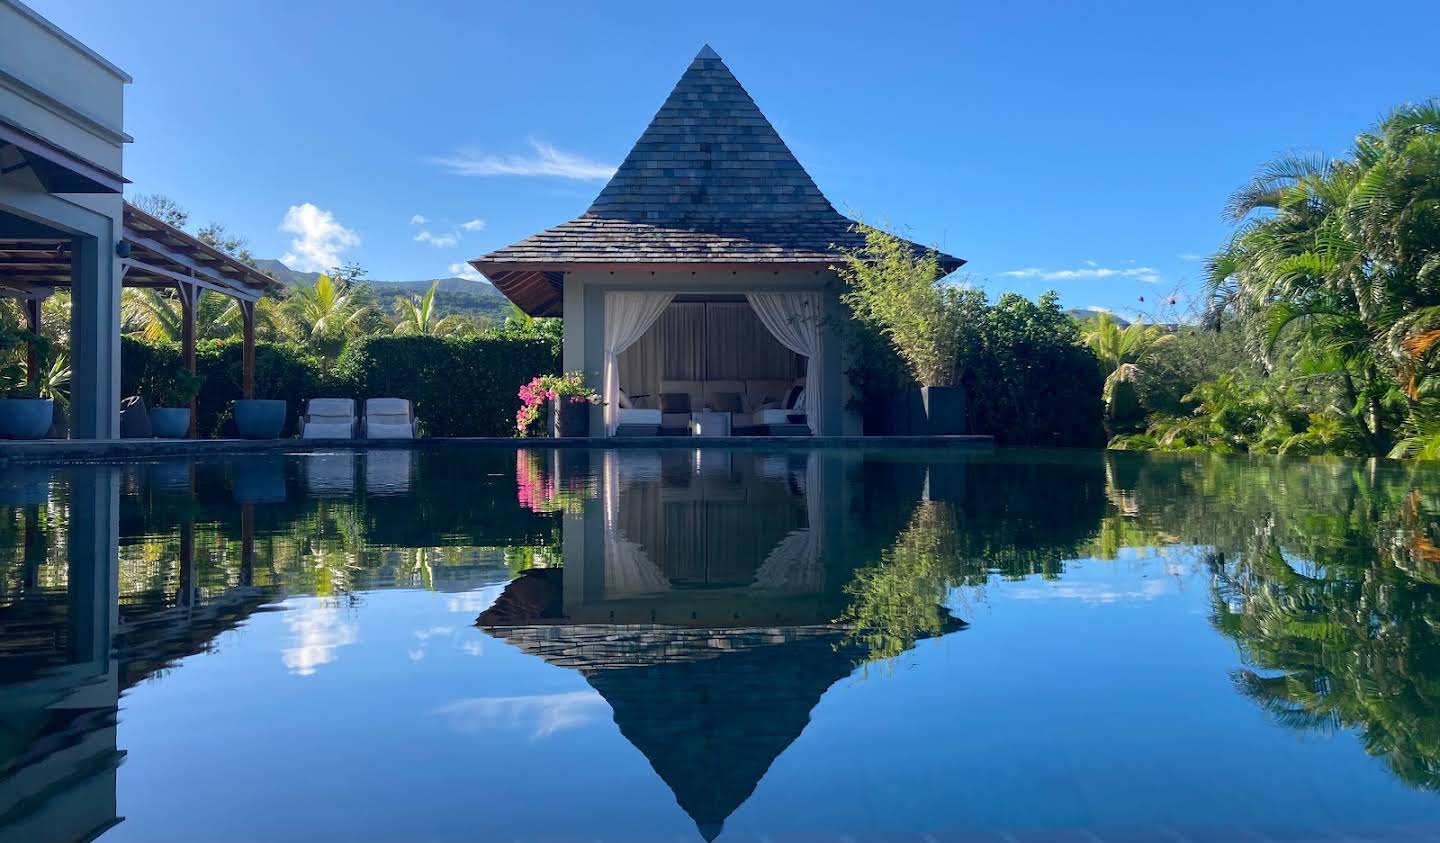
column 1138, row 273
column 547, row 161
column 440, row 241
column 320, row 630
column 1188, row 256
column 319, row 238
column 418, row 219
column 545, row 713
column 473, row 225
column 1092, row 592
column 466, row 271
column 1097, row 308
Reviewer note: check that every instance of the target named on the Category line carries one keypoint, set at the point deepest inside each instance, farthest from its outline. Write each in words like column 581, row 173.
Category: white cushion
column 381, row 406
column 331, row 408
column 623, row 401
column 636, row 415
column 774, row 416
column 385, row 430
column 328, row 430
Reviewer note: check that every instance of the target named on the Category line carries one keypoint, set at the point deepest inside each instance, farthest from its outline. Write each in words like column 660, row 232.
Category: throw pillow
column 726, row 402
column 674, row 402
column 793, row 395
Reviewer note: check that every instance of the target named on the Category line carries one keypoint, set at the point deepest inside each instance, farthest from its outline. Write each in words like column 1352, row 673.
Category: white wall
column 56, row 88
column 59, row 89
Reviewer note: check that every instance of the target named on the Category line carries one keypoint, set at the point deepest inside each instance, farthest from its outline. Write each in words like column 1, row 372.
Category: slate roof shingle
column 709, row 182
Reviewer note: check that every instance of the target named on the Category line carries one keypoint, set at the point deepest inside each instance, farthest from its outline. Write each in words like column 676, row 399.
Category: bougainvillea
column 533, row 395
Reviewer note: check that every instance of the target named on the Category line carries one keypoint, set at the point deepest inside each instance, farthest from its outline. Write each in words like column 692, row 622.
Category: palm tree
column 1122, row 354
column 1338, row 263
column 325, row 314
column 418, row 316
column 155, row 316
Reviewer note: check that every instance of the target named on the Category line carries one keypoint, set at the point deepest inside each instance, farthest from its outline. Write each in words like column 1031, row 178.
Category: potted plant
column 260, row 418
column 569, row 400
column 27, row 407
column 934, row 327
column 24, row 412
column 170, row 410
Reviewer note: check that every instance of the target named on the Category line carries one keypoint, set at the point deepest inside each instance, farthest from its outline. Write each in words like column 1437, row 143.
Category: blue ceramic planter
column 259, row 418
column 26, row 418
column 170, row 422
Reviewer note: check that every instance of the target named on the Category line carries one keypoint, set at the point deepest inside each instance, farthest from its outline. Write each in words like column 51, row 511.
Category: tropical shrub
column 1034, row 383
column 1029, row 379
column 898, row 292
column 1335, row 270
column 1123, row 354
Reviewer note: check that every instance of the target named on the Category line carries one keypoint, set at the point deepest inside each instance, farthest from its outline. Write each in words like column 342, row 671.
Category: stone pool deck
column 122, row 450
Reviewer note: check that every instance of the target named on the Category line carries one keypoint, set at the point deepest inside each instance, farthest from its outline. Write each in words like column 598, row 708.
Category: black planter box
column 569, row 418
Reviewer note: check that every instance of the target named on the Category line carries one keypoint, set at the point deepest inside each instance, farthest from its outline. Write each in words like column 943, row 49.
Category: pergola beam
column 182, row 278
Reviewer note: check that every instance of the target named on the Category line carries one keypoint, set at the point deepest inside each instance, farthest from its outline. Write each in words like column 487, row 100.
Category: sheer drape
column 628, row 569
column 794, row 564
column 794, row 320
column 627, row 317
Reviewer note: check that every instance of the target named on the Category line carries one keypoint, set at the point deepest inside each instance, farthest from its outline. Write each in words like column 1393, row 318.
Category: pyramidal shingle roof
column 709, row 182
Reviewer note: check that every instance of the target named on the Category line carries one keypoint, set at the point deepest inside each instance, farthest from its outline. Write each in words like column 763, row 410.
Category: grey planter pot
column 26, row 418
column 170, row 422
column 569, row 418
column 259, row 418
column 944, row 408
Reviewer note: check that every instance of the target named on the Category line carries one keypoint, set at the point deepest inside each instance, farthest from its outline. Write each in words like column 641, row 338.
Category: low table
column 709, row 424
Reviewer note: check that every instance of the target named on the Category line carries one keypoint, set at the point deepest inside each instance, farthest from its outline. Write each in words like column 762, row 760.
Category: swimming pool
column 778, row 643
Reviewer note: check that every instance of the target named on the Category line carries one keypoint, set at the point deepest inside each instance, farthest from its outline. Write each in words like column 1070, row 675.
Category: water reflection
column 707, row 600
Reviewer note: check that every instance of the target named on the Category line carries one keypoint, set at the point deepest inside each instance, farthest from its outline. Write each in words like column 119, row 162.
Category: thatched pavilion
column 701, row 272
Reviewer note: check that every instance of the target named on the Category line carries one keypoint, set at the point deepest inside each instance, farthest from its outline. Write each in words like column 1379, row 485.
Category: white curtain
column 628, row 569
column 627, row 317
column 794, row 564
column 794, row 320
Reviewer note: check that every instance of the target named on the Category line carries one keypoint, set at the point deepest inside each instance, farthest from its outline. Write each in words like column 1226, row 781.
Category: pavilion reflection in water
column 699, row 596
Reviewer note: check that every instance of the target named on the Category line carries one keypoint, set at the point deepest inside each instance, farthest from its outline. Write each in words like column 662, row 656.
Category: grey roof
column 710, row 181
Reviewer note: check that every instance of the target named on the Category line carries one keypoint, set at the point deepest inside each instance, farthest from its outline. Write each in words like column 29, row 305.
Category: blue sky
column 1084, row 147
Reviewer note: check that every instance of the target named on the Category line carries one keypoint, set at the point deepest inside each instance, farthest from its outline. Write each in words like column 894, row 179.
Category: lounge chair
column 788, row 414
column 328, row 418
column 637, row 421
column 390, row 418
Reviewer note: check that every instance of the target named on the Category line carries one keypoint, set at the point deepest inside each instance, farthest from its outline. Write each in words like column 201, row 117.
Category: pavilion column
column 247, row 356
column 188, row 293
column 32, row 324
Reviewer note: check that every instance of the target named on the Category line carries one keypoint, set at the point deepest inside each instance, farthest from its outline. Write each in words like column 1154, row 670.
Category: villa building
column 64, row 223
column 701, row 277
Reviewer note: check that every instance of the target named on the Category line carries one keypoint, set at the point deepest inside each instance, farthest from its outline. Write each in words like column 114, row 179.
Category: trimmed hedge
column 458, row 386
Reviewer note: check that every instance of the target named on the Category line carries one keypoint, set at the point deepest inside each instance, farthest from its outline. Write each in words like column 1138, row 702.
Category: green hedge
column 281, row 371
column 1031, row 381
column 459, row 386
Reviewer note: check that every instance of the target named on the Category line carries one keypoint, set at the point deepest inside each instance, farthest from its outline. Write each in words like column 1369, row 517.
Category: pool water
column 743, row 645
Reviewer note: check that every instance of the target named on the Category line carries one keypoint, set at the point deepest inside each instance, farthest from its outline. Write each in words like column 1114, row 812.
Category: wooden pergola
column 153, row 254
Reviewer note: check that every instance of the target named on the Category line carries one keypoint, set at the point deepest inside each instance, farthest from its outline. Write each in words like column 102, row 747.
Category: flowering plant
column 533, row 395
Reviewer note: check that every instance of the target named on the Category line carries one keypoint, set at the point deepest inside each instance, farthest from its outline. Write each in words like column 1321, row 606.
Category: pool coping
column 125, row 450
